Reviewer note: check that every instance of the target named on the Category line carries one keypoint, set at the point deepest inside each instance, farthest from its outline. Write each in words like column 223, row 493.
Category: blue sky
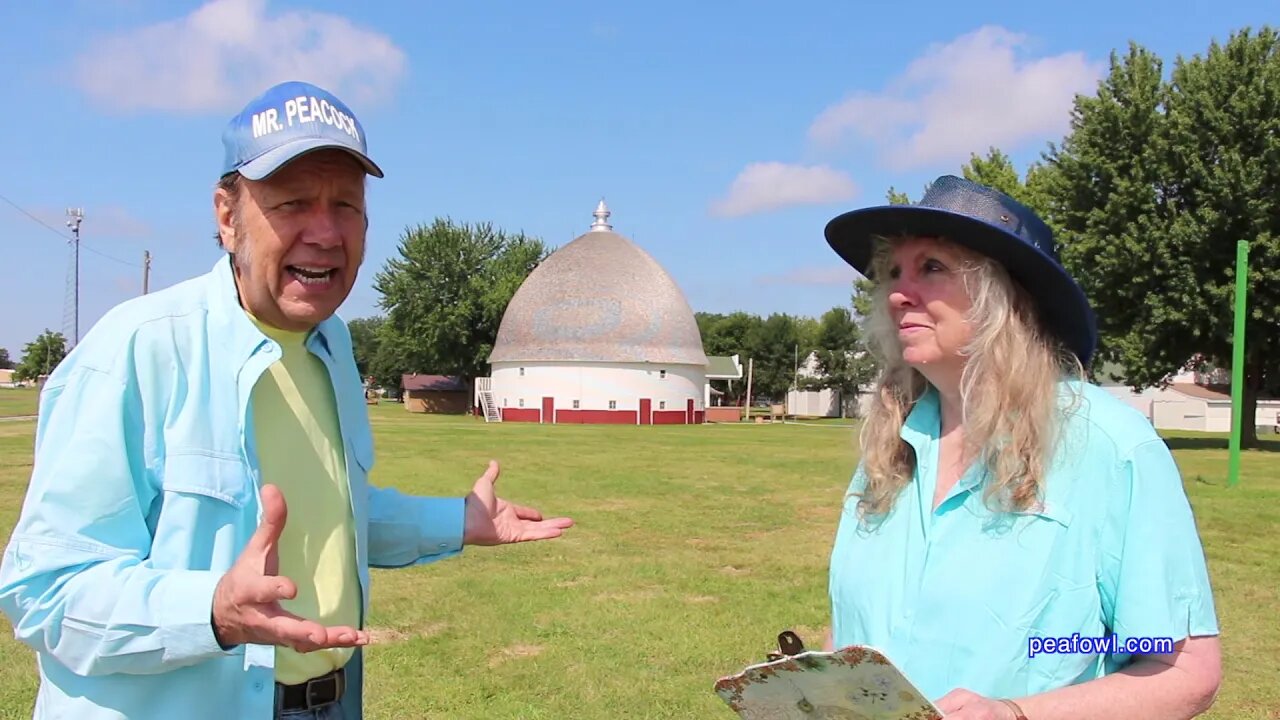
column 722, row 135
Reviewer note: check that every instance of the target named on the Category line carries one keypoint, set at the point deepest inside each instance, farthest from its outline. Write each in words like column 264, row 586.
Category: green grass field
column 694, row 547
column 18, row 401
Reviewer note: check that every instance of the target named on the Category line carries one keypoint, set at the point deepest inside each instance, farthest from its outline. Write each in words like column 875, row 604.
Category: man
column 198, row 531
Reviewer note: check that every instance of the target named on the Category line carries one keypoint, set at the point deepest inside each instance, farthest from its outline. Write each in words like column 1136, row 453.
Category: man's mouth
column 308, row 275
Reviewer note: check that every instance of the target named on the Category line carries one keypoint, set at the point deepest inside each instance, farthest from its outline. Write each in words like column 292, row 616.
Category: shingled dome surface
column 599, row 299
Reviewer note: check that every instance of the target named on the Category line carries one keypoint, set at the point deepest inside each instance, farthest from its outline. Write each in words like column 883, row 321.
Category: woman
column 1006, row 515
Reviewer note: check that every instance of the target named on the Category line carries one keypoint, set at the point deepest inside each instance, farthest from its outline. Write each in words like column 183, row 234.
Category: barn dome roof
column 599, row 298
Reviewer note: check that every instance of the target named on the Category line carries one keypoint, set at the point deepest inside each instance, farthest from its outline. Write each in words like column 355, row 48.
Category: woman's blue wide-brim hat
column 993, row 224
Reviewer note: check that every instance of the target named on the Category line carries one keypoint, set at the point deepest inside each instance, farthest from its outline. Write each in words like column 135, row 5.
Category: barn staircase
column 484, row 389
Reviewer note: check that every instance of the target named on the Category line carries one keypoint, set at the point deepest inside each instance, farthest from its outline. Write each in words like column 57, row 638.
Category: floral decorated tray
column 854, row 683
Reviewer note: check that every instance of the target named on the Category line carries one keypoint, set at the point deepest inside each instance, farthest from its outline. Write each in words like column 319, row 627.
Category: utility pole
column 146, row 270
column 76, row 215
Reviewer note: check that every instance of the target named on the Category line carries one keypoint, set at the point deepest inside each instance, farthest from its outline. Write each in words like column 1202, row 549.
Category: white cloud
column 961, row 98
column 767, row 186
column 838, row 274
column 227, row 51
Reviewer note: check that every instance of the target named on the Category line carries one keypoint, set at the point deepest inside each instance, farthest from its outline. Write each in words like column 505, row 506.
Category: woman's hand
column 961, row 704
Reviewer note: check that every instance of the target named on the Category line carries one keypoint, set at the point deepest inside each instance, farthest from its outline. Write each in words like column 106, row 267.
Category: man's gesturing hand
column 246, row 602
column 490, row 520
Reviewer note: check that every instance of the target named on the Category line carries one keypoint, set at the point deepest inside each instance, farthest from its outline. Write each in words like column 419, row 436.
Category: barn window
column 521, row 372
column 662, row 404
column 662, row 374
column 504, row 402
column 613, row 404
column 575, row 404
column 521, row 402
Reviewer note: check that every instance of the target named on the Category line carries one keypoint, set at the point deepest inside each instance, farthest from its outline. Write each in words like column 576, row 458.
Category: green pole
column 1237, row 362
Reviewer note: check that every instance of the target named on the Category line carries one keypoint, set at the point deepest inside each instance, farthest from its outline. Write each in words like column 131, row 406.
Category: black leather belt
column 314, row 693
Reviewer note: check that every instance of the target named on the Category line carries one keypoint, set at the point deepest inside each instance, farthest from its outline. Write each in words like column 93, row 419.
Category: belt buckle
column 316, row 685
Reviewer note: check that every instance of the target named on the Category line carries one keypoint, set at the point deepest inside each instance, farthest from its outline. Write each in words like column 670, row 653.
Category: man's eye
column 934, row 266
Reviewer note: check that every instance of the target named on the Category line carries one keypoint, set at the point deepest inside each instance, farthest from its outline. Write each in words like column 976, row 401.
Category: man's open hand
column 246, row 602
column 491, row 520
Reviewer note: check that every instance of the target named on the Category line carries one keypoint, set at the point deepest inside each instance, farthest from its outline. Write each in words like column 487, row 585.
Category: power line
column 44, row 224
column 68, row 238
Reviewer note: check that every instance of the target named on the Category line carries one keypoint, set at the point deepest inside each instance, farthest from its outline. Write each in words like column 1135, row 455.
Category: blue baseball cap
column 286, row 121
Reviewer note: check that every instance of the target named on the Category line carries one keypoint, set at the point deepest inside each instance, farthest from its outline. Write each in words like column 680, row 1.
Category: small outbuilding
column 438, row 394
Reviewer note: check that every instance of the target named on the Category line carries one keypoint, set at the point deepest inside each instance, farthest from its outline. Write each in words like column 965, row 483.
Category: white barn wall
column 595, row 384
column 1219, row 415
column 1142, row 401
column 1180, row 414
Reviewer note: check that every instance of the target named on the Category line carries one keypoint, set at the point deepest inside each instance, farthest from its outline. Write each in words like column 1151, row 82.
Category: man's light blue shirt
column 955, row 596
column 144, row 491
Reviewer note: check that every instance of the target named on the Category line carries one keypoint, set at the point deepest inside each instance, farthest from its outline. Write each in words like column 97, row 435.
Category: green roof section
column 723, row 366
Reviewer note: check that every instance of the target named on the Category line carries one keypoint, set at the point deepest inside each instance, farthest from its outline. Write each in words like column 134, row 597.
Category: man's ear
column 224, row 210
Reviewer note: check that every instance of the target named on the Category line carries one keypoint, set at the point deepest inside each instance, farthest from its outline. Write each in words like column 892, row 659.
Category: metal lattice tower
column 76, row 215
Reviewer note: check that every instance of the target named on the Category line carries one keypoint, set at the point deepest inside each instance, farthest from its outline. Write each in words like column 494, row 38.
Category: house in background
column 727, row 368
column 438, row 394
column 825, row 402
column 1199, row 401
column 721, row 367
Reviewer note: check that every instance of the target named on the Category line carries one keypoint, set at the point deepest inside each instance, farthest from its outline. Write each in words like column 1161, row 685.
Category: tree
column 364, row 342
column 897, row 198
column 41, row 356
column 445, row 294
column 1150, row 192
column 1222, row 155
column 773, row 346
column 996, row 171
column 5, row 362
column 843, row 361
column 387, row 364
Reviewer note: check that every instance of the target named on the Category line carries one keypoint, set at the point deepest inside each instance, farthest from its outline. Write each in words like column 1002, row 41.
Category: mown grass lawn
column 694, row 546
column 18, row 401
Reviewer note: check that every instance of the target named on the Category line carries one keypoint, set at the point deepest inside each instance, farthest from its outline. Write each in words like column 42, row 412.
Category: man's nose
column 322, row 228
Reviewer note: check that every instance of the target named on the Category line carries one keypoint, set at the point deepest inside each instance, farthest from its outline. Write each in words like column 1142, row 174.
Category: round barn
column 598, row 333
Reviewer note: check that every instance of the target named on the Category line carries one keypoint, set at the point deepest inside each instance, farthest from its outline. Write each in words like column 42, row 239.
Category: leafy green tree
column 1152, row 189
column 365, row 341
column 444, row 295
column 1105, row 195
column 774, row 347
column 5, row 362
column 1222, row 159
column 41, row 356
column 726, row 334
column 844, row 364
column 895, row 197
